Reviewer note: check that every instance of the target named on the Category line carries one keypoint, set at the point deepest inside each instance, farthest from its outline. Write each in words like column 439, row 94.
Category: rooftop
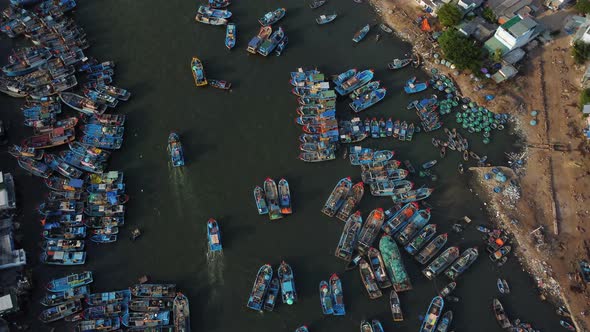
column 518, row 26
column 492, row 44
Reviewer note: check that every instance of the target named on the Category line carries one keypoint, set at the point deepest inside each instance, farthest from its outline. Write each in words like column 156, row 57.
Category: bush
column 497, row 56
column 583, row 6
column 460, row 50
column 489, row 15
column 449, row 15
column 584, row 98
column 580, row 52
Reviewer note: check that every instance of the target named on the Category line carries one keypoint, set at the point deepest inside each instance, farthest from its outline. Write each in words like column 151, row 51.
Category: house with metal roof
column 515, row 33
column 7, row 195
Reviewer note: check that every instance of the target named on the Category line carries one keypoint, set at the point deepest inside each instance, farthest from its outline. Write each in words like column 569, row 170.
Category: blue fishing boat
column 106, row 311
column 302, row 328
column 337, row 295
column 367, row 100
column 105, row 187
column 355, row 82
column 70, row 281
column 287, row 279
column 365, row 325
column 56, row 208
column 86, row 163
column 63, row 168
column 273, row 17
column 153, row 290
column 257, row 40
column 52, row 299
column 103, row 238
column 214, row 235
column 349, row 237
column 100, row 324
column 230, row 36
column 378, row 266
column 412, row 195
column 461, row 265
column 429, row 164
column 390, row 187
column 82, row 104
column 271, row 296
column 373, row 85
column 260, row 287
column 116, row 92
column 102, row 141
column 104, row 210
column 63, row 257
column 35, row 167
column 326, row 298
column 210, row 20
column 260, row 199
column 175, row 150
column 60, row 184
column 61, row 311
column 374, row 128
column 272, row 199
column 441, row 262
column 415, row 224
column 101, row 98
column 432, row 314
column 219, row 3
column 108, row 297
column 182, row 313
column 376, row 325
column 93, row 129
column 432, row 249
column 214, row 13
column 281, row 46
column 445, row 322
column 271, row 43
column 284, row 197
column 63, row 245
column 146, row 319
column 27, row 61
column 337, row 197
column 325, row 19
column 413, row 87
column 359, row 35
column 421, row 239
column 68, row 233
column 341, row 78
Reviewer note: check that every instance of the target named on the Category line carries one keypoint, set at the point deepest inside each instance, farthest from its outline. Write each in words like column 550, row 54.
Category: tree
column 497, row 56
column 580, row 52
column 449, row 15
column 460, row 50
column 584, row 98
column 489, row 15
column 583, row 6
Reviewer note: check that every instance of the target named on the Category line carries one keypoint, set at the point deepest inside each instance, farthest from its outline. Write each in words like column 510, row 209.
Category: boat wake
column 181, row 189
column 215, row 267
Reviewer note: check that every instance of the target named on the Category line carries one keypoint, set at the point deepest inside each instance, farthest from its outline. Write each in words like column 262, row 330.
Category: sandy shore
column 554, row 181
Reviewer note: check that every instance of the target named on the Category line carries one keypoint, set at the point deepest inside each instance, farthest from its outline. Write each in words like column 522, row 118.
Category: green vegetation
column 497, row 56
column 580, row 52
column 460, row 50
column 583, row 6
column 449, row 15
column 488, row 14
column 584, row 98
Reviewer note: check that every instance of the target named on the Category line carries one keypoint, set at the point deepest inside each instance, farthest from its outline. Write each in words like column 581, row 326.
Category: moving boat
column 500, row 314
column 396, row 308
column 359, row 35
column 213, row 235
column 337, row 197
column 324, row 19
column 326, row 298
column 421, row 239
column 260, row 287
column 432, row 314
column 378, row 266
column 52, row 299
column 399, row 219
column 370, row 230
column 337, row 295
column 445, row 322
column 61, row 311
column 257, row 40
column 273, row 17
column 354, row 197
column 284, row 197
column 441, row 262
column 153, row 290
column 175, row 150
column 210, row 20
column 219, row 84
column 462, row 264
column 287, row 279
column 198, row 72
column 317, row 3
column 349, row 237
column 369, row 280
column 181, row 313
column 398, row 63
column 272, row 196
column 82, row 104
column 70, row 281
column 108, row 297
column 271, row 296
column 415, row 224
column 394, row 264
column 260, row 199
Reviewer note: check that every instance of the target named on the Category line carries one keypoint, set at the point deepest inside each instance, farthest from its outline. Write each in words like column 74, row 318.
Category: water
column 235, row 140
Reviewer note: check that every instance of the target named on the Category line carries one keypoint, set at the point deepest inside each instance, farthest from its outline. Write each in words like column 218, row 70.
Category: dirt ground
column 555, row 178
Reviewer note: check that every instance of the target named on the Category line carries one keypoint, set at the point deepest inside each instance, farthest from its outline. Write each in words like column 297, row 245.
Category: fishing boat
column 500, row 253
column 60, row 311
column 412, row 195
column 376, row 325
column 445, row 322
column 70, row 281
column 500, row 314
column 56, row 208
column 198, row 72
column 145, row 319
column 354, row 197
column 100, row 324
column 210, row 20
column 287, row 279
column 18, row 151
column 272, row 198
column 214, row 13
column 413, row 87
column 284, row 197
column 61, row 184
column 369, row 280
column 567, row 325
column 432, row 314
column 102, row 222
column 429, row 164
column 153, row 290
column 108, row 297
column 502, row 285
column 337, row 197
column 326, row 298
column 366, row 326
column 213, row 235
column 385, row 28
column 103, row 238
column 390, row 187
column 317, row 4
column 302, row 328
column 104, row 210
column 53, row 299
column 371, row 86
column 396, row 307
column 119, row 93
column 219, row 3
column 324, row 19
column 260, row 199
column 441, row 262
column 255, row 42
column 398, row 63
column 370, row 230
column 273, row 17
column 345, row 76
column 337, row 295
column 349, row 237
column 27, row 61
column 55, row 137
column 414, row 225
column 427, row 233
column 106, row 311
column 260, row 287
column 398, row 219
column 355, row 82
column 147, row 304
column 271, row 43
column 271, row 296
column 82, row 104
column 68, row 233
column 448, row 289
column 394, row 264
column 462, row 264
column 378, row 266
column 367, row 100
column 219, row 84
column 35, row 167
column 175, row 150
column 281, row 46
column 359, row 35
column 181, row 313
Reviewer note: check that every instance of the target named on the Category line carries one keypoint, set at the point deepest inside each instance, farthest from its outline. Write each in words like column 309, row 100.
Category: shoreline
column 539, row 166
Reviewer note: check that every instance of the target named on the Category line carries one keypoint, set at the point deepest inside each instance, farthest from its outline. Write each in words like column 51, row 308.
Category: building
column 469, row 5
column 9, row 256
column 505, row 73
column 432, row 6
column 556, row 4
column 7, row 195
column 583, row 32
column 507, row 9
column 477, row 28
column 515, row 33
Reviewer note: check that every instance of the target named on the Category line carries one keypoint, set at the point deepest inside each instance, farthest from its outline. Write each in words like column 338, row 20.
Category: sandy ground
column 555, row 178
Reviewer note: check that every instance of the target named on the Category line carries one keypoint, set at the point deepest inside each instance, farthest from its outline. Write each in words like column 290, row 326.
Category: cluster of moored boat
column 267, row 40
column 142, row 307
column 201, row 80
column 267, row 287
column 272, row 199
column 214, row 13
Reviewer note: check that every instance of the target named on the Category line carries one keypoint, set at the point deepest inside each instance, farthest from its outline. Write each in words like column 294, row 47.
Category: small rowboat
column 325, row 19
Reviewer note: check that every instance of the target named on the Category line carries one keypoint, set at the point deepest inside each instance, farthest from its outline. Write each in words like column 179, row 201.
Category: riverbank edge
column 396, row 16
